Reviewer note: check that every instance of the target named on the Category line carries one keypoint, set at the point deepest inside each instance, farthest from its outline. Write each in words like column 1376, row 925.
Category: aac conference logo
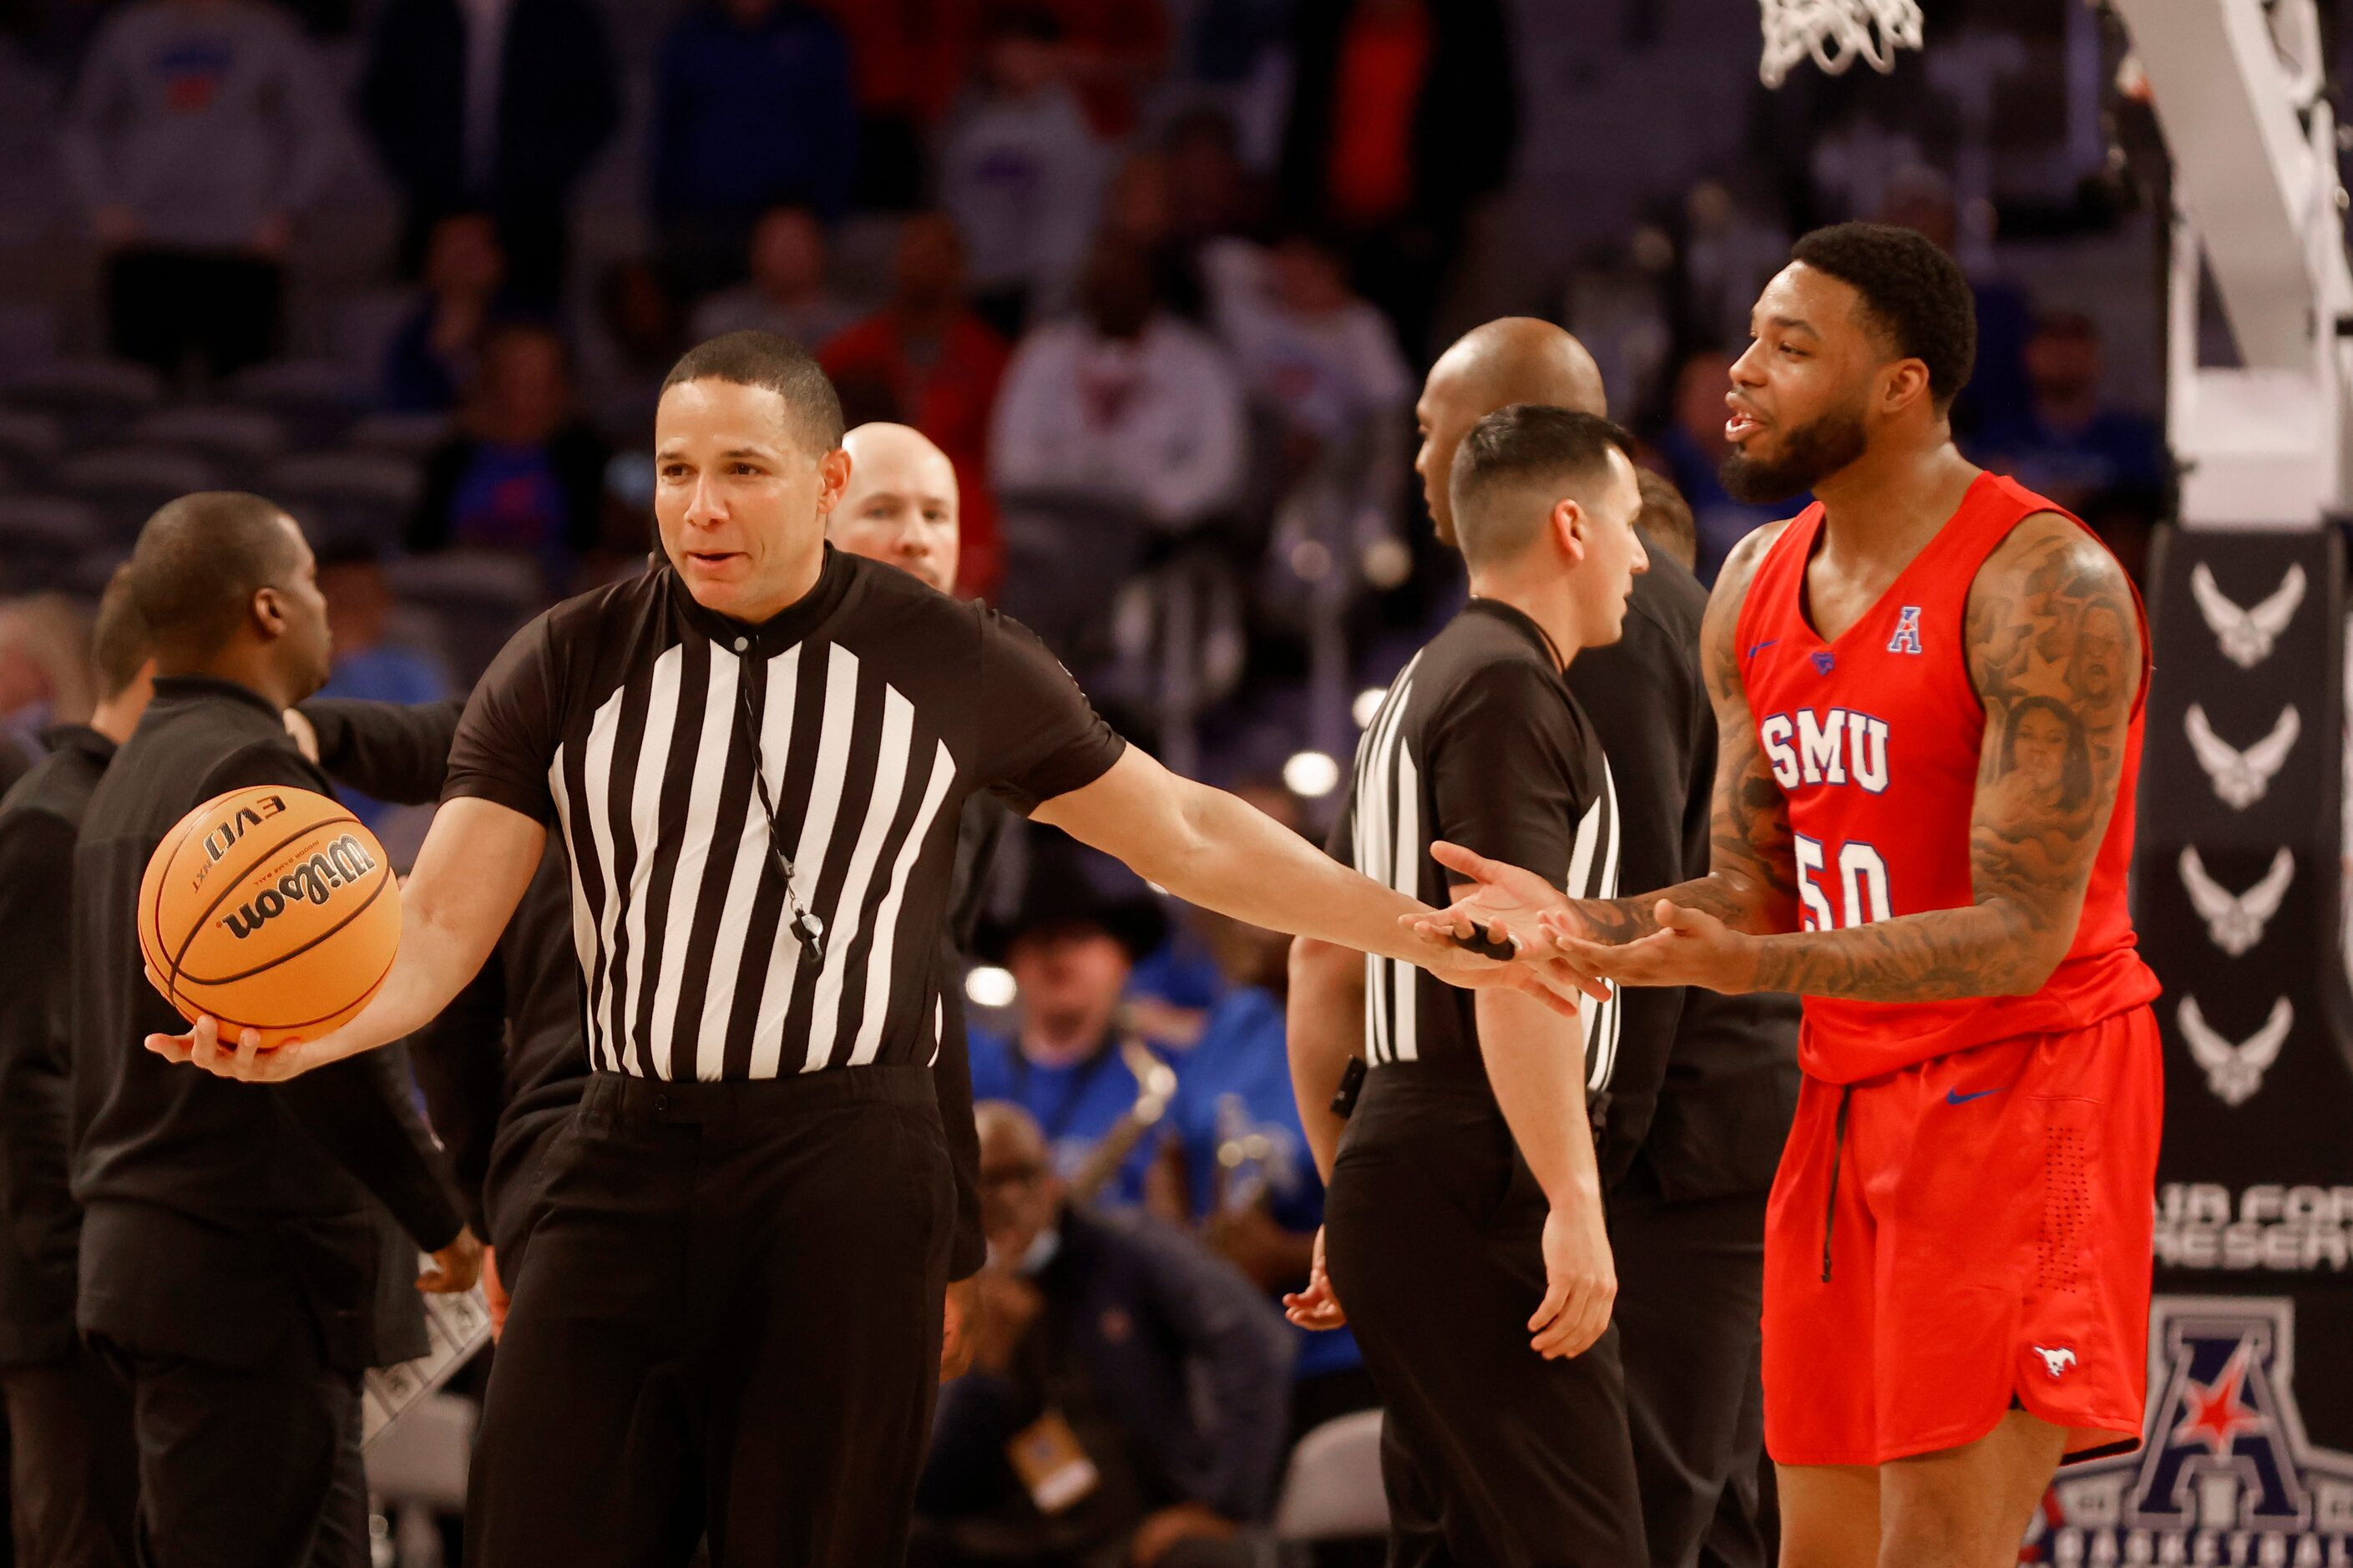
column 2225, row 1476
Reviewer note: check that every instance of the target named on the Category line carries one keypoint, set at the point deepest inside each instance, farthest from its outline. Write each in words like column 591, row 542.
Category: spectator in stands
column 1123, row 404
column 1694, row 448
column 910, row 58
column 1920, row 198
column 45, row 676
column 753, row 108
column 1665, row 518
column 370, row 660
column 2070, row 446
column 1211, row 192
column 1115, row 52
column 634, row 332
column 1249, row 1181
column 496, row 106
column 1074, row 1061
column 926, row 360
column 2127, row 520
column 1022, row 172
column 1139, row 205
column 1402, row 116
column 434, row 353
column 524, row 473
column 198, row 132
column 1127, row 1401
column 786, row 293
column 1310, row 347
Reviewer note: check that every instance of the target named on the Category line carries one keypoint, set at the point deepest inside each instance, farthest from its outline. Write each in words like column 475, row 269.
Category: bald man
column 902, row 507
column 1691, row 1114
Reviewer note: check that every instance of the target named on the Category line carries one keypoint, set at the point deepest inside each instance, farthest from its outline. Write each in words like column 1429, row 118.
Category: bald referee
column 758, row 754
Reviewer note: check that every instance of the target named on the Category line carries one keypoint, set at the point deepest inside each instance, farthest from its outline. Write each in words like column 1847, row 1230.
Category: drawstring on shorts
column 1838, row 1153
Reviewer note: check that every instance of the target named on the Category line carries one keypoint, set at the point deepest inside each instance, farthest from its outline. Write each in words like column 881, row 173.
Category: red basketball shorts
column 1962, row 1237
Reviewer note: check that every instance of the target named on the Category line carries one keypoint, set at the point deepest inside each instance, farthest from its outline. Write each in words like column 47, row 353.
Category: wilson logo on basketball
column 312, row 881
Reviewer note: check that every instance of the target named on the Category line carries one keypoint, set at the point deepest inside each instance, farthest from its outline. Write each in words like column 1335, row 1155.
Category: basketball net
column 1834, row 32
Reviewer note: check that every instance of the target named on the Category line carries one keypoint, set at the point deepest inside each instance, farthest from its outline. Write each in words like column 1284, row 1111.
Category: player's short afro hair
column 1912, row 292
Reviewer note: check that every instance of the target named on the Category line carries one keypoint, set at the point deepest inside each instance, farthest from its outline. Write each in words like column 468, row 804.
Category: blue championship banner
column 2247, row 1456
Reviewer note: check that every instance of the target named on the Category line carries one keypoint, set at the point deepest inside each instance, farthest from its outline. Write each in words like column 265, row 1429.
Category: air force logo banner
column 2248, row 1451
column 2238, row 854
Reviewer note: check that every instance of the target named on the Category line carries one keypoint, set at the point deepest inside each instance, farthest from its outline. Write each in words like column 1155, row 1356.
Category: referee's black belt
column 622, row 1102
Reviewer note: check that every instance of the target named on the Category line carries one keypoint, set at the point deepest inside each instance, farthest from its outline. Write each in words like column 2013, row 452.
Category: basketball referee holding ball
column 758, row 754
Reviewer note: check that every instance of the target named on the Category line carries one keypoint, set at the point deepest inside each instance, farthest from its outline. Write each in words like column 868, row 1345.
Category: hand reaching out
column 1315, row 1307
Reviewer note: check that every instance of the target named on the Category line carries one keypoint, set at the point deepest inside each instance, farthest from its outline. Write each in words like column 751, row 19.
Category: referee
column 1464, row 1221
column 757, row 756
column 1704, row 1085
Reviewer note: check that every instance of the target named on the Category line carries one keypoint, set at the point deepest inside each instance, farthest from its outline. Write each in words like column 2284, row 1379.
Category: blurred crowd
column 1158, row 275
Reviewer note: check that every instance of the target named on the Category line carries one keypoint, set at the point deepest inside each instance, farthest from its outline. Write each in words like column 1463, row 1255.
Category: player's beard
column 1813, row 453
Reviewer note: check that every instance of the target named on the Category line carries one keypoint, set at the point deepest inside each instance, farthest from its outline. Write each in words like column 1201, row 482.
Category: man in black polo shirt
column 757, row 756
column 73, row 1470
column 1464, row 1228
column 1704, row 1084
column 230, row 1249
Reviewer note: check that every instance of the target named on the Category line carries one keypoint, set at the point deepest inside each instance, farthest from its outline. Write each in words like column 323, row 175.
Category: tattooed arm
column 2054, row 652
column 1751, row 881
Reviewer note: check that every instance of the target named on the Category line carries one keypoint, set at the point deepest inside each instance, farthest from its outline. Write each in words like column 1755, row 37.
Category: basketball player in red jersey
column 1928, row 690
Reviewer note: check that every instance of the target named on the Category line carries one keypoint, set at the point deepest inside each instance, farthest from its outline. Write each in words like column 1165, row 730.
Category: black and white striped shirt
column 1478, row 743
column 630, row 718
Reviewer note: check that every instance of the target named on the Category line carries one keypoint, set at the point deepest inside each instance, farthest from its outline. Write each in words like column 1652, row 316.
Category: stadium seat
column 479, row 597
column 126, row 484
column 422, row 1457
column 29, row 444
column 238, row 440
column 359, row 494
column 317, row 398
column 95, row 399
column 404, row 435
column 41, row 538
column 1332, row 1491
column 416, row 1468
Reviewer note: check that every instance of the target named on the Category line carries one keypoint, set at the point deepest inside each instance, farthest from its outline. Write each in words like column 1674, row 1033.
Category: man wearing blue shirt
column 1249, row 1178
column 1075, row 1062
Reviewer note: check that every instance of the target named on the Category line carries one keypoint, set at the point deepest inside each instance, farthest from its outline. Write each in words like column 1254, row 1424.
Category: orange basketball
column 271, row 909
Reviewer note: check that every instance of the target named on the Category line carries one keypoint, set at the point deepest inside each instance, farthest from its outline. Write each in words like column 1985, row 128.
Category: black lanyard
column 807, row 929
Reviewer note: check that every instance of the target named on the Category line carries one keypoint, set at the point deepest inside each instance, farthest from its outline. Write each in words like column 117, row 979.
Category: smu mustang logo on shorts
column 2225, row 1455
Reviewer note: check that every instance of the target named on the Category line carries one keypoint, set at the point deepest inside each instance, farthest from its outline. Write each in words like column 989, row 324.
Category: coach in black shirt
column 1463, row 1223
column 73, row 1471
column 230, row 1253
column 757, row 756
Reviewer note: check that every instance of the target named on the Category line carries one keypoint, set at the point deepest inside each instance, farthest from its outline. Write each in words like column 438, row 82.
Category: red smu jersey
column 1874, row 738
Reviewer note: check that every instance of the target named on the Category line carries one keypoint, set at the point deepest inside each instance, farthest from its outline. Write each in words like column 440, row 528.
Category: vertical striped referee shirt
column 632, row 720
column 1478, row 743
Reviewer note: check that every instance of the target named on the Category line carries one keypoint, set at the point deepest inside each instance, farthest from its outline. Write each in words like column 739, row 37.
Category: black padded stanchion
column 2248, row 1448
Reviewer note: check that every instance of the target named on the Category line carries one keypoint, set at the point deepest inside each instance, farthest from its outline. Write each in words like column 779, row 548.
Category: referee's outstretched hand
column 1315, row 1307
column 1580, row 1282
column 202, row 1046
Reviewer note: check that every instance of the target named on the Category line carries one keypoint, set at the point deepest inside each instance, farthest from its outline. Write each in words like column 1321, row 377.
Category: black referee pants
column 73, row 1475
column 731, row 1322
column 1491, row 1457
column 1690, row 1297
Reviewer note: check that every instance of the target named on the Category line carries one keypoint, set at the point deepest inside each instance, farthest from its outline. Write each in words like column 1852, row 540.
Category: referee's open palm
column 1580, row 1282
column 202, row 1046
